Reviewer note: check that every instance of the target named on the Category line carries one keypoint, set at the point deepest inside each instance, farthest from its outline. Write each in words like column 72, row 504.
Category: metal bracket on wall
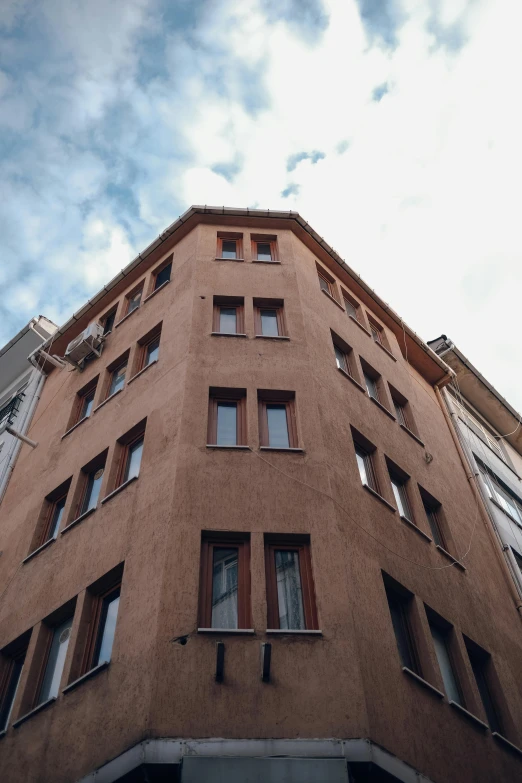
column 220, row 661
column 266, row 656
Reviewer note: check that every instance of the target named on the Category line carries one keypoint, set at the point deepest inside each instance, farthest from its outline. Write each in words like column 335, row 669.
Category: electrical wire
column 357, row 524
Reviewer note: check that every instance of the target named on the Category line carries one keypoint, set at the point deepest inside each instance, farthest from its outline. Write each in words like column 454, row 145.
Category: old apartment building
column 248, row 546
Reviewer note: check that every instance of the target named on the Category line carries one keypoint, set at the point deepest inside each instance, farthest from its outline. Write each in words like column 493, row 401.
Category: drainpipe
column 503, row 558
column 23, row 426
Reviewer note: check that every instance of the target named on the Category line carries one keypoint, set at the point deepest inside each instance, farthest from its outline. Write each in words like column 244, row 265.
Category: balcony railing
column 9, row 411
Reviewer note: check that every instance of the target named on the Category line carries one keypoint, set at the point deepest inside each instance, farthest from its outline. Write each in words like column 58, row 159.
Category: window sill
column 417, row 529
column 221, row 631
column 35, row 711
column 360, row 325
column 219, row 446
column 85, row 418
column 156, row 291
column 500, row 738
column 118, row 489
column 352, row 379
column 87, row 676
column 281, row 448
column 379, row 497
column 272, row 337
column 78, row 520
column 128, row 315
column 260, row 261
column 385, row 350
column 334, row 300
column 423, row 682
column 107, row 399
column 154, row 361
column 293, row 631
column 382, row 407
column 220, row 258
column 411, row 434
column 469, row 715
column 450, row 557
column 38, row 550
column 228, row 334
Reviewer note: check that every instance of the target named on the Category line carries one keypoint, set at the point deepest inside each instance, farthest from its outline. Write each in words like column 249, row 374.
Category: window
column 343, row 355
column 434, row 516
column 224, row 600
column 399, row 604
column 55, row 660
column 269, row 318
column 84, row 403
column 162, row 275
column 92, row 490
column 264, row 248
column 117, row 375
column 441, row 634
column 277, row 424
column 481, row 665
column 365, row 463
column 228, row 315
column 289, row 584
column 148, row 349
column 89, row 485
column 230, row 246
column 133, row 459
column 134, row 299
column 107, row 321
column 12, row 661
column 56, row 509
column 127, row 460
column 376, row 333
column 326, row 282
column 371, row 385
column 497, row 492
column 351, row 306
column 227, row 417
column 399, row 481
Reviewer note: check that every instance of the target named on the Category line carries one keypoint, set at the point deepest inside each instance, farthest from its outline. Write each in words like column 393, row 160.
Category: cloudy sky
column 393, row 126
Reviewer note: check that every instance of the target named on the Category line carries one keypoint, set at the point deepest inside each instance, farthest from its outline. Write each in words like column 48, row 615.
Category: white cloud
column 130, row 115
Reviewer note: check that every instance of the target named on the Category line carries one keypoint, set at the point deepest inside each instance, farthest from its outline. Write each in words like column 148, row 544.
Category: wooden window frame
column 218, row 395
column 346, row 297
column 277, row 398
column 349, row 356
column 98, row 463
column 9, row 657
column 236, row 302
column 479, row 657
column 404, row 599
column 368, row 457
column 269, row 304
column 125, row 457
column 113, row 368
column 433, row 506
column 269, row 239
column 329, row 282
column 103, row 320
column 216, row 540
column 302, row 546
column 138, row 289
column 93, row 630
column 229, row 236
column 85, row 391
column 50, row 625
column 401, row 479
column 50, row 516
column 165, row 263
column 143, row 344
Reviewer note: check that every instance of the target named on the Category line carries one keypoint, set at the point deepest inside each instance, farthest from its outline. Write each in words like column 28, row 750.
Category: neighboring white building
column 20, row 386
column 490, row 433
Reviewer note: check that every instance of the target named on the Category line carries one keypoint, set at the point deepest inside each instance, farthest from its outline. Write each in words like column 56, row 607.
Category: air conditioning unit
column 88, row 342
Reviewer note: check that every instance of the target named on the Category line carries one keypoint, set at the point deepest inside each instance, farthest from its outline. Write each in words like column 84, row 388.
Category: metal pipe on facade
column 490, row 526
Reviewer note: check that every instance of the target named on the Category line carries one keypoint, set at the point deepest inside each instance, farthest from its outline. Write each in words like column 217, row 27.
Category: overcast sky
column 393, row 126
